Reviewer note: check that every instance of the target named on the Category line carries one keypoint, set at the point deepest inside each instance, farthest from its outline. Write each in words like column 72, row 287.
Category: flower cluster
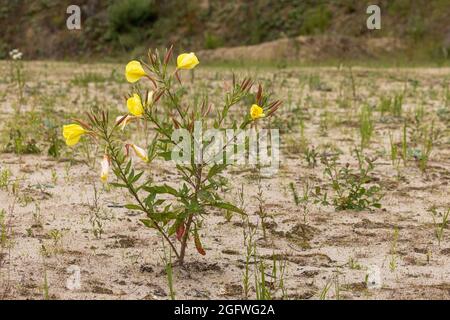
column 136, row 107
column 15, row 54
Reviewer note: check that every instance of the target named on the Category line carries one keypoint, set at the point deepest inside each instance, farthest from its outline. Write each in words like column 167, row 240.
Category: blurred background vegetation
column 411, row 29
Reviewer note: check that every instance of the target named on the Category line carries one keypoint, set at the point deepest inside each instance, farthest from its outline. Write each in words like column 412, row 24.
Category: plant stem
column 135, row 195
column 184, row 240
column 198, row 183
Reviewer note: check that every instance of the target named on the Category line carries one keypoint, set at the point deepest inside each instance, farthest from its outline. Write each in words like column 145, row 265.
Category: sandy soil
column 330, row 247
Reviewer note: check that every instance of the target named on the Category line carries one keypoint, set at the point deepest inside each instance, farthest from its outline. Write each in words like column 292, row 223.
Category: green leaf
column 131, row 175
column 164, row 216
column 193, row 206
column 166, row 155
column 148, row 223
column 133, row 207
column 162, row 189
column 215, row 169
column 206, row 196
column 127, row 168
column 173, row 228
column 136, row 177
column 228, row 206
column 118, row 185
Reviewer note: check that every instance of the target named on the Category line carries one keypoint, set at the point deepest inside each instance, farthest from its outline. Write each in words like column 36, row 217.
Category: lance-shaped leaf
column 161, row 190
column 227, row 206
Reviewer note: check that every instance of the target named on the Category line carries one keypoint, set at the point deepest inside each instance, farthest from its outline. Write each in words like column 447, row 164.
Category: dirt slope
column 307, row 48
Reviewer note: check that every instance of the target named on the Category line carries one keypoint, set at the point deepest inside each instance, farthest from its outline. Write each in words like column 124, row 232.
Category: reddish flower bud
column 180, row 232
column 168, row 55
column 198, row 245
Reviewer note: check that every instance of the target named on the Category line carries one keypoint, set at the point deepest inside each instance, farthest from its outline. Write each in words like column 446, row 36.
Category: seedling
column 440, row 222
column 366, row 126
column 311, row 156
column 262, row 213
column 5, row 175
column 352, row 188
column 302, row 202
column 394, row 155
column 249, row 233
column 393, row 251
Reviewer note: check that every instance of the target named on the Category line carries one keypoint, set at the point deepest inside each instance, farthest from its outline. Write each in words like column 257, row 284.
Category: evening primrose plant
column 176, row 212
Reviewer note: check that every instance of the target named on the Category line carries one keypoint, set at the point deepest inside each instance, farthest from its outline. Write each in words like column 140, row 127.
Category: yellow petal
column 134, row 71
column 135, row 106
column 72, row 133
column 256, row 112
column 71, row 129
column 72, row 140
column 187, row 61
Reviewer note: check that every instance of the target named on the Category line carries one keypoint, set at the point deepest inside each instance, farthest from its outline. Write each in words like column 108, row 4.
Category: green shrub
column 416, row 28
column 19, row 144
column 125, row 15
column 212, row 41
column 316, row 20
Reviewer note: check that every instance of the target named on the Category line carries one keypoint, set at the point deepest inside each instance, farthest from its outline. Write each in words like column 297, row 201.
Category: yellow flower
column 256, row 112
column 72, row 133
column 141, row 153
column 187, row 61
column 135, row 106
column 105, row 168
column 134, row 71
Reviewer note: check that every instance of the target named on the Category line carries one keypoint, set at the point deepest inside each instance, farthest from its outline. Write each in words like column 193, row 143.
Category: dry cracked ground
column 57, row 215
